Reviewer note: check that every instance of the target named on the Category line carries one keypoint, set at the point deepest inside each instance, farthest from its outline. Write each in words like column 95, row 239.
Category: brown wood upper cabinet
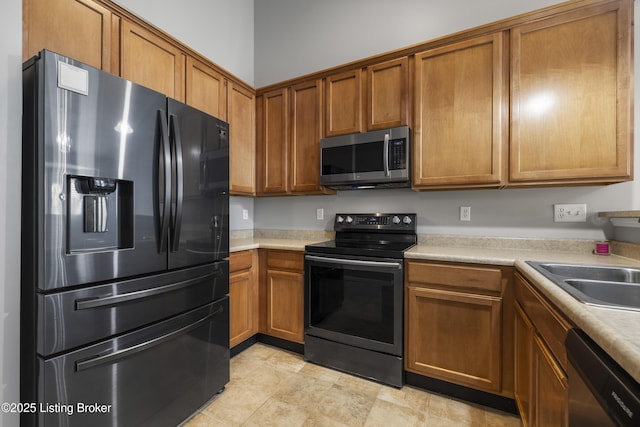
column 571, row 97
column 79, row 29
column 343, row 101
column 289, row 123
column 242, row 141
column 306, row 131
column 381, row 103
column 151, row 61
column 206, row 89
column 272, row 112
column 460, row 128
column 387, row 94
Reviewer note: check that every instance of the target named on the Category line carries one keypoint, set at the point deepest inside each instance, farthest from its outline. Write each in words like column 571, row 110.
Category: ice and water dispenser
column 100, row 214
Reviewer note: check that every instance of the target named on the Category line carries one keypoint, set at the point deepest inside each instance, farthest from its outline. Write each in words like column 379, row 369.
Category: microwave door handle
column 386, row 154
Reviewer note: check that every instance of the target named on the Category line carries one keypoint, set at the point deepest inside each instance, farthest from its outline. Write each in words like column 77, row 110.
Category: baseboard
column 239, row 348
column 280, row 343
column 460, row 392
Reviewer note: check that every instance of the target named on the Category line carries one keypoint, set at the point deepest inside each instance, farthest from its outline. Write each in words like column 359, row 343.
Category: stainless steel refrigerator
column 125, row 231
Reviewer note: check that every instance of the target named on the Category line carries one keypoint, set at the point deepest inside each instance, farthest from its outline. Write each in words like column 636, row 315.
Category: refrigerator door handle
column 138, row 348
column 177, row 217
column 166, row 164
column 111, row 300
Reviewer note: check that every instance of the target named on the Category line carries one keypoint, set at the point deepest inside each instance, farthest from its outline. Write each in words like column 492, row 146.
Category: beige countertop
column 616, row 331
column 247, row 243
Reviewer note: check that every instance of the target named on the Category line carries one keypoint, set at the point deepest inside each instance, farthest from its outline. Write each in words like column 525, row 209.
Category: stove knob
column 407, row 220
column 349, row 220
column 340, row 220
column 396, row 219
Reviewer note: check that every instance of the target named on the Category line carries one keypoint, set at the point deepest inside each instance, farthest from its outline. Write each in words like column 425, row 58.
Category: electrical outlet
column 319, row 214
column 465, row 213
column 245, row 213
column 570, row 213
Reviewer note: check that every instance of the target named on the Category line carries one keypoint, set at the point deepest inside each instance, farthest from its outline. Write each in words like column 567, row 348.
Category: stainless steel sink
column 611, row 287
column 592, row 272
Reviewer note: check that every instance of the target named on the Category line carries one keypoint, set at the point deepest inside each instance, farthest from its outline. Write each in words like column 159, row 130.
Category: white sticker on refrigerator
column 73, row 78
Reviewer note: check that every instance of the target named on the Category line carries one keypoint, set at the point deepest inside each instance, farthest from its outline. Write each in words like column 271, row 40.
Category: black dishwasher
column 601, row 393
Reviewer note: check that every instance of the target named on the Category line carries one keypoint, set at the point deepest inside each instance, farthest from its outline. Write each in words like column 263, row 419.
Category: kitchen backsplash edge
column 586, row 246
column 625, row 249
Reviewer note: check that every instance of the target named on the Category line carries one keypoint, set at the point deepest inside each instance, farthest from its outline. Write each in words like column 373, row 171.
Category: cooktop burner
column 374, row 235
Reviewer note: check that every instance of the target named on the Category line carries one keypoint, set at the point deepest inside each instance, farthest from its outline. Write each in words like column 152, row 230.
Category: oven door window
column 358, row 305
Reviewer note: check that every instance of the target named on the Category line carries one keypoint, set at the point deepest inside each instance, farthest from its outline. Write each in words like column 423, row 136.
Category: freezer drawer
column 156, row 376
column 67, row 320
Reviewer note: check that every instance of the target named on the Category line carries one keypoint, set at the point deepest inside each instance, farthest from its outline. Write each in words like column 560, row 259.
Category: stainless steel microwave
column 366, row 160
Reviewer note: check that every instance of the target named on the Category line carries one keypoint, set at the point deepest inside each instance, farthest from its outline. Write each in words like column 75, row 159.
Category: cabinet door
column 551, row 406
column 273, row 138
column 460, row 104
column 524, row 333
column 306, row 132
column 343, row 101
column 206, row 89
column 455, row 337
column 80, row 29
column 242, row 146
column 151, row 61
column 571, row 97
column 387, row 94
column 285, row 305
column 242, row 298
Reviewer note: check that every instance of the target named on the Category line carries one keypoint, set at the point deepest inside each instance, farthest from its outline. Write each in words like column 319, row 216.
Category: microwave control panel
column 398, row 154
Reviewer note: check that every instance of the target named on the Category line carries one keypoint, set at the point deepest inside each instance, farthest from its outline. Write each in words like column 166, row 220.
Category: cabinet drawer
column 286, row 260
column 240, row 261
column 550, row 325
column 458, row 277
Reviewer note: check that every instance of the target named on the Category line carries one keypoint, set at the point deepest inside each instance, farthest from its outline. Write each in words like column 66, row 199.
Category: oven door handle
column 355, row 262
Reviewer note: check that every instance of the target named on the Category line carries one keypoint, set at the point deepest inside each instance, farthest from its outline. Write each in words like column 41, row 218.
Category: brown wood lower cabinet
column 455, row 328
column 282, row 294
column 540, row 359
column 243, row 296
column 523, row 365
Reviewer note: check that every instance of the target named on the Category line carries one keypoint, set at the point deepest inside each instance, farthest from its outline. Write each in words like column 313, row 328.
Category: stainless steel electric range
column 354, row 296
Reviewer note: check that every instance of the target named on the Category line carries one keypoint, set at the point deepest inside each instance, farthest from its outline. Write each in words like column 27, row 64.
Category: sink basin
column 589, row 272
column 601, row 286
column 615, row 294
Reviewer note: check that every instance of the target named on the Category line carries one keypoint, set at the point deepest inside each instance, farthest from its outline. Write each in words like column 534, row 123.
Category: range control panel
column 375, row 221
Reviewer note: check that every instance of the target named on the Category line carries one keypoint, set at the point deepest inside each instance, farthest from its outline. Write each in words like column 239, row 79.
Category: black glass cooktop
column 370, row 235
column 380, row 249
column 367, row 245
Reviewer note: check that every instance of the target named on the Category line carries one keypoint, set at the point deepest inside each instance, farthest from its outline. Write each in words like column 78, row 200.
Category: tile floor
column 273, row 387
